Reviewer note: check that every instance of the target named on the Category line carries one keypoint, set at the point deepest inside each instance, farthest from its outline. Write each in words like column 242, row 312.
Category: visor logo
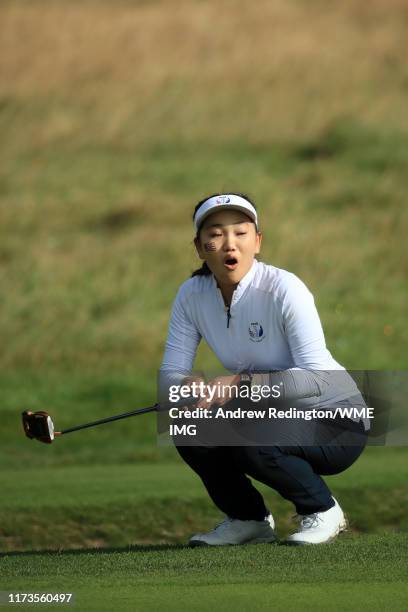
column 223, row 199
column 256, row 332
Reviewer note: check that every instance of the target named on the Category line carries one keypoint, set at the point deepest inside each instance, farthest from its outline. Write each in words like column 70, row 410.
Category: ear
column 199, row 249
column 259, row 237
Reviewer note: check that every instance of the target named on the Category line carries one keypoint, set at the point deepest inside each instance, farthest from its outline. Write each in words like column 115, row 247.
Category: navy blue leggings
column 295, row 472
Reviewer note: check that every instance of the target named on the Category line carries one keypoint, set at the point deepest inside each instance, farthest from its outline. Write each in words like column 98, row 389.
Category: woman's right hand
column 189, row 380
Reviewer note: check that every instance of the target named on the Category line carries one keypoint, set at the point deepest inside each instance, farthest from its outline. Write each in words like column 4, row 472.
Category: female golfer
column 262, row 324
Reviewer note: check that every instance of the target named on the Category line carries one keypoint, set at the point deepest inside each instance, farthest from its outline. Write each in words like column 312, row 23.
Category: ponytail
column 203, row 271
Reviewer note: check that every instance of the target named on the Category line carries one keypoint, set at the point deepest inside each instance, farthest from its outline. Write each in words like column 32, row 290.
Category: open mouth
column 231, row 263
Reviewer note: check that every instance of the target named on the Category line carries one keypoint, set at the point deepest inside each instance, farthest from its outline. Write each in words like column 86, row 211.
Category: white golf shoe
column 320, row 527
column 233, row 531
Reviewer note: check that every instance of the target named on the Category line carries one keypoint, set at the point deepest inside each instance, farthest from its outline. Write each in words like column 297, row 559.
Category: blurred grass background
column 116, row 118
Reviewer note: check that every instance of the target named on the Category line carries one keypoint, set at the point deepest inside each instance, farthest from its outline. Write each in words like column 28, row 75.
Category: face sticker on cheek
column 209, row 247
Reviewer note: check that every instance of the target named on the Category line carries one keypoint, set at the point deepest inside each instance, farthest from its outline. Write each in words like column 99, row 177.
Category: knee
column 198, row 457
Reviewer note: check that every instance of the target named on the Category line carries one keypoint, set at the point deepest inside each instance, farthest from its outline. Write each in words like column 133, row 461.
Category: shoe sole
column 200, row 543
column 343, row 527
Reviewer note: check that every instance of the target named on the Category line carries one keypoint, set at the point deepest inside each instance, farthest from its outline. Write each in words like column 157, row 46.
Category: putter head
column 38, row 426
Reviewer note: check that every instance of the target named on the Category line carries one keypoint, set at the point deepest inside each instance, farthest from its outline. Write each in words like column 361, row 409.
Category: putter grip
column 164, row 406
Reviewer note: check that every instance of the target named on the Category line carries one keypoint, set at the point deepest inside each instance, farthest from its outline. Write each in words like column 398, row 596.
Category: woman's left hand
column 219, row 391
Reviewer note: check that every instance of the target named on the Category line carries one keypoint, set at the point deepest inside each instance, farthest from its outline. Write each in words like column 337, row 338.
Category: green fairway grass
column 119, row 505
column 353, row 572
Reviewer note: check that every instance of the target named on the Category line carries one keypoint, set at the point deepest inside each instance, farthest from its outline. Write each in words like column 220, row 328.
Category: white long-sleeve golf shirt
column 271, row 324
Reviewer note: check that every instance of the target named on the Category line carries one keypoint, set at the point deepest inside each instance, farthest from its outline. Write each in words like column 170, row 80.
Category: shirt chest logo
column 256, row 332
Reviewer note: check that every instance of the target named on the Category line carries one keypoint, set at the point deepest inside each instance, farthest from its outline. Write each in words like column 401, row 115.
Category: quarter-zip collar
column 243, row 284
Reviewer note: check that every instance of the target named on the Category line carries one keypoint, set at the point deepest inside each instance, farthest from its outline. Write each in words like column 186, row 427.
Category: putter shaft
column 157, row 407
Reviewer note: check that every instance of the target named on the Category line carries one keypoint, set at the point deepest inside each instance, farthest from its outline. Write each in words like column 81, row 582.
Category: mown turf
column 120, row 505
column 369, row 570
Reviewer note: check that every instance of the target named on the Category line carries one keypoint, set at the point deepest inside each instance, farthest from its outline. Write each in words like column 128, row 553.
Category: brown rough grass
column 95, row 86
column 289, row 65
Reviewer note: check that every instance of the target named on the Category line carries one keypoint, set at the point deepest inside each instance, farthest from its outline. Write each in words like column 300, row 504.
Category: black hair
column 205, row 270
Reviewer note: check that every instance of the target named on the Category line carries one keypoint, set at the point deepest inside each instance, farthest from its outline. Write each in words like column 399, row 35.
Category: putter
column 39, row 425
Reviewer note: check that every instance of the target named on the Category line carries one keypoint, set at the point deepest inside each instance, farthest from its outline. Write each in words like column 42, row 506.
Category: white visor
column 220, row 202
